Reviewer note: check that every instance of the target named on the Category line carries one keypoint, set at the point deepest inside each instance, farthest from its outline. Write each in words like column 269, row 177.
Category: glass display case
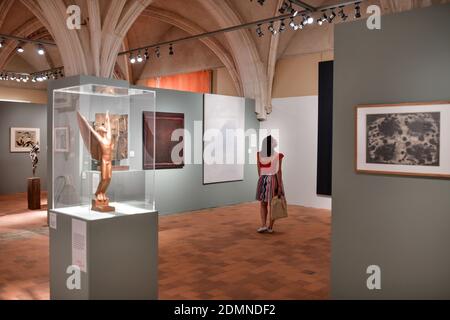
column 98, row 151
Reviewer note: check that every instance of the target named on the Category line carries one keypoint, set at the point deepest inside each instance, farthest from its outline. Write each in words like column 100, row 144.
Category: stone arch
column 92, row 50
column 192, row 28
column 251, row 68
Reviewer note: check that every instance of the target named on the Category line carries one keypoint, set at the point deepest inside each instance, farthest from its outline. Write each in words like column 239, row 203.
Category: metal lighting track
column 308, row 9
column 24, row 40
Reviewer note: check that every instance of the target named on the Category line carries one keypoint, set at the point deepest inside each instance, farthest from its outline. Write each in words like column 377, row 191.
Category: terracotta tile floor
column 208, row 254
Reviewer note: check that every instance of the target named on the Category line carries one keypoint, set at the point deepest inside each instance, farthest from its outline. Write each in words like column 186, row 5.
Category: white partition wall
column 296, row 119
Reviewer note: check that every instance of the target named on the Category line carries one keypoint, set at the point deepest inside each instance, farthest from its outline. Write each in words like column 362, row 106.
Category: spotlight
column 157, row 52
column 322, row 19
column 292, row 23
column 20, row 48
column 331, row 16
column 139, row 58
column 272, row 29
column 306, row 20
column 259, row 31
column 261, row 2
column 40, row 50
column 146, row 54
column 342, row 14
column 33, row 79
column 171, row 50
column 282, row 26
column 132, row 59
column 357, row 10
column 294, row 12
column 284, row 7
column 2, row 43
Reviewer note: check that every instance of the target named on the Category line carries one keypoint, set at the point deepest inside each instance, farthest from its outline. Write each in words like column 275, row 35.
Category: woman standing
column 270, row 183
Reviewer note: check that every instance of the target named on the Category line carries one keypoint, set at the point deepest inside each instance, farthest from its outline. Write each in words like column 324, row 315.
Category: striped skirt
column 267, row 188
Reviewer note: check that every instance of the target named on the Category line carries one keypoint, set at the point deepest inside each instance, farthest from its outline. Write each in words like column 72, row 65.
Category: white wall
column 296, row 119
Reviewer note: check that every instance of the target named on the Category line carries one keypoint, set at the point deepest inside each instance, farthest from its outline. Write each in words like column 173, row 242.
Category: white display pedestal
column 117, row 253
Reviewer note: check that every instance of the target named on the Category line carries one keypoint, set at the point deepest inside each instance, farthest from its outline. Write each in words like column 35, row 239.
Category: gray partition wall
column 401, row 224
column 179, row 190
column 15, row 168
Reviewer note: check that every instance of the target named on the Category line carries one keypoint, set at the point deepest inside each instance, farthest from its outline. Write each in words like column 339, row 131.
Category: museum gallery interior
column 231, row 150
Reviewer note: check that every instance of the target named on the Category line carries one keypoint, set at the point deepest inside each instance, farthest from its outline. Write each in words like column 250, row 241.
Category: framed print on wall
column 61, row 139
column 411, row 139
column 23, row 138
column 165, row 124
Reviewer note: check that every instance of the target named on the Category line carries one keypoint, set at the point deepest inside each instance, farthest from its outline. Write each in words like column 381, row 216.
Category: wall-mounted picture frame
column 407, row 139
column 23, row 138
column 166, row 123
column 61, row 139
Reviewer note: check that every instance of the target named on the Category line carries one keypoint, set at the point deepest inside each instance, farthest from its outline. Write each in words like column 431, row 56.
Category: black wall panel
column 325, row 138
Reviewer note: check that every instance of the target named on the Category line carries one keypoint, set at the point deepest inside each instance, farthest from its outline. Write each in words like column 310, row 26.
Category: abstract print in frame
column 404, row 139
column 165, row 149
column 22, row 139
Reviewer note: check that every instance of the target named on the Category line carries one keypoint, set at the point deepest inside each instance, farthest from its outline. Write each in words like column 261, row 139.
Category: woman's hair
column 268, row 146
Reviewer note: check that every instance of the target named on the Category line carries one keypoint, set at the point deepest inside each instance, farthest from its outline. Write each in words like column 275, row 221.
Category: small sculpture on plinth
column 34, row 156
column 34, row 183
column 99, row 143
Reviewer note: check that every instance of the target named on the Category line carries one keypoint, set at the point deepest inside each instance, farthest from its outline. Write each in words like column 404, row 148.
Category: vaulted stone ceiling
column 114, row 26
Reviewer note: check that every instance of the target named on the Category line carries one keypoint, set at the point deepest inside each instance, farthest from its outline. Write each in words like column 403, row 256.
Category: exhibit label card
column 79, row 244
column 52, row 220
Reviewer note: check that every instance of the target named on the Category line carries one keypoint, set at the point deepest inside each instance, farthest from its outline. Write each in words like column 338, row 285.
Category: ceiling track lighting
column 271, row 28
column 40, row 50
column 132, row 58
column 20, row 48
column 259, row 31
column 284, row 7
column 322, row 19
column 34, row 77
column 331, row 16
column 357, row 10
column 342, row 14
column 282, row 26
column 308, row 15
column 139, row 58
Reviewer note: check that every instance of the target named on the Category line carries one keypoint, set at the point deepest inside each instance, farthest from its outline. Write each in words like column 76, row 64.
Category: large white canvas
column 222, row 113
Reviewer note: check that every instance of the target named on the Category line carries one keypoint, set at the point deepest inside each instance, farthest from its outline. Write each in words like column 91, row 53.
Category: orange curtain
column 199, row 82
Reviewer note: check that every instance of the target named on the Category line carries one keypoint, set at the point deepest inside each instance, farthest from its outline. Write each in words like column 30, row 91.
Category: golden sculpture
column 100, row 145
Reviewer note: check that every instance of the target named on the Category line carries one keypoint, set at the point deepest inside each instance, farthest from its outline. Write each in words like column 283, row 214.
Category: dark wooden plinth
column 34, row 193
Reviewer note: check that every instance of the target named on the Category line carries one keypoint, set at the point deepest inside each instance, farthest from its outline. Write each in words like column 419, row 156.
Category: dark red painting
column 165, row 124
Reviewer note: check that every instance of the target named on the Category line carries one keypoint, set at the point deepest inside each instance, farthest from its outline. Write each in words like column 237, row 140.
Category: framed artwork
column 61, row 139
column 224, row 116
column 410, row 139
column 119, row 131
column 23, row 138
column 168, row 154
